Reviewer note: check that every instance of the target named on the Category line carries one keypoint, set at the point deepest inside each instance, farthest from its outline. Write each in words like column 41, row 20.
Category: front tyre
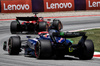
column 14, row 45
column 87, row 51
column 43, row 49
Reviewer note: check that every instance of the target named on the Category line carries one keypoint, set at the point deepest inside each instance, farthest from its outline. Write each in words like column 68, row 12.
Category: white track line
column 83, row 29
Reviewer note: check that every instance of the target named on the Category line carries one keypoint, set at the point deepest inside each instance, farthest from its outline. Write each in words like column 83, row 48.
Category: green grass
column 93, row 34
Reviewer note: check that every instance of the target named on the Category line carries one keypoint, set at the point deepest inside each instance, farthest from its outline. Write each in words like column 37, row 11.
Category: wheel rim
column 9, row 45
column 59, row 26
column 47, row 27
column 37, row 50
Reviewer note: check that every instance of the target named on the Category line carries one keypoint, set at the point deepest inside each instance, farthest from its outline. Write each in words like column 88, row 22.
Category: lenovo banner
column 93, row 4
column 12, row 6
column 58, row 5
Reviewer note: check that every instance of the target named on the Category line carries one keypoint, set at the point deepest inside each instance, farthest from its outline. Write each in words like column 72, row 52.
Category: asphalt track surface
column 72, row 23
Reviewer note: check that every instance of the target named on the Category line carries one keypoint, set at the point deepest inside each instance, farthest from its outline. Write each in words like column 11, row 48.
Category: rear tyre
column 14, row 27
column 14, row 45
column 87, row 51
column 43, row 49
column 57, row 24
column 43, row 26
column 59, row 56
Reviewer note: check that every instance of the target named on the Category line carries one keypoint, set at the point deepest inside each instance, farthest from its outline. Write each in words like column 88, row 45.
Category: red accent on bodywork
column 35, row 52
column 48, row 22
column 40, row 20
column 42, row 32
column 23, row 23
column 29, row 22
column 33, row 22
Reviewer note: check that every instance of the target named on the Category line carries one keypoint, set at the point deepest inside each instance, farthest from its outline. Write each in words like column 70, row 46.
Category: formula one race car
column 32, row 25
column 52, row 43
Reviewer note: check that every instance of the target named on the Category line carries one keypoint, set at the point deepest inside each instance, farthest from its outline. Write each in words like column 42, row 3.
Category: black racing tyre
column 59, row 56
column 87, row 51
column 43, row 26
column 14, row 45
column 5, row 46
column 43, row 49
column 57, row 24
column 14, row 27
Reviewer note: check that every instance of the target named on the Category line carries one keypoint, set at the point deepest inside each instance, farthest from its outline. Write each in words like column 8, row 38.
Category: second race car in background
column 32, row 25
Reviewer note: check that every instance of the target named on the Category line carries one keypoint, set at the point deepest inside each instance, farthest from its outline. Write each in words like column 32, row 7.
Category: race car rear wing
column 68, row 34
column 27, row 18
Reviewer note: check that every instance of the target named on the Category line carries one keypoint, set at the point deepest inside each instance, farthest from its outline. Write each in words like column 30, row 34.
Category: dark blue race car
column 51, row 43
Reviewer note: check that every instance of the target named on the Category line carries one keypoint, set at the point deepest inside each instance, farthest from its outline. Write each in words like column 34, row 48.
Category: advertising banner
column 93, row 4
column 13, row 6
column 37, row 6
column 58, row 5
column 80, row 4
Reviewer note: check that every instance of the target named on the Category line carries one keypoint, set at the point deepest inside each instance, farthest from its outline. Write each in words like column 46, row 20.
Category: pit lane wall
column 15, row 6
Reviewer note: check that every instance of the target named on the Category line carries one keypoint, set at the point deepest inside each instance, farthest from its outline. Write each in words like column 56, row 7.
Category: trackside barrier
column 16, row 6
column 58, row 5
column 37, row 6
column 92, row 4
column 80, row 4
column 13, row 6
